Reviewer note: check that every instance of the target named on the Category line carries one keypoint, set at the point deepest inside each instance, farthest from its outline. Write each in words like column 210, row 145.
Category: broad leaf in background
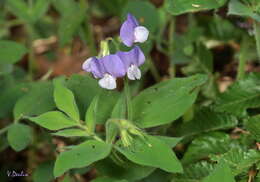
column 11, row 52
column 65, row 7
column 238, row 160
column 204, row 145
column 44, row 172
column 236, row 7
column 65, row 100
column 19, row 136
column 194, row 172
column 145, row 12
column 77, row 158
column 84, row 89
column 253, row 126
column 37, row 101
column 53, row 120
column 11, row 91
column 205, row 120
column 175, row 97
column 71, row 132
column 27, row 12
column 158, row 176
column 126, row 170
column 240, row 96
column 152, row 152
column 177, row 7
column 221, row 173
column 205, row 58
column 70, row 23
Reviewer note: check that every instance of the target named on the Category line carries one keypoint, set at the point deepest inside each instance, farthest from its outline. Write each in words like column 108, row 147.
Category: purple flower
column 107, row 68
column 131, row 32
column 132, row 60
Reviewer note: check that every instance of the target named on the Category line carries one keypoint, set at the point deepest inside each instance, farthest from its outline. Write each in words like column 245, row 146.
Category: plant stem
column 128, row 99
column 242, row 59
column 257, row 37
column 153, row 70
column 5, row 129
column 171, row 45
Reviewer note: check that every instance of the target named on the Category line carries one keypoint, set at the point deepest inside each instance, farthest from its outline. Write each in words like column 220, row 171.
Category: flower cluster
column 112, row 66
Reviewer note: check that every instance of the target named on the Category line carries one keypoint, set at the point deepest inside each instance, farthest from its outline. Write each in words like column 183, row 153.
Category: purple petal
column 134, row 56
column 114, row 65
column 97, row 68
column 127, row 30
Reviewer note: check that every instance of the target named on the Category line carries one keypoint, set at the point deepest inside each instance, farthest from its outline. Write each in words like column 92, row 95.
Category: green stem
column 154, row 71
column 128, row 99
column 5, row 129
column 242, row 59
column 257, row 37
column 171, row 45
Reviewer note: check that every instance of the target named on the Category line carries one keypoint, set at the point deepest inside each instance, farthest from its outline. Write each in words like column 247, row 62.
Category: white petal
column 134, row 73
column 141, row 34
column 86, row 65
column 107, row 82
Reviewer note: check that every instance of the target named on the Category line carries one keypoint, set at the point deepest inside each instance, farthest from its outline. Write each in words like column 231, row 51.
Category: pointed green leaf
column 81, row 156
column 91, row 115
column 53, row 120
column 154, row 152
column 65, row 100
column 177, row 7
column 175, row 97
column 71, row 132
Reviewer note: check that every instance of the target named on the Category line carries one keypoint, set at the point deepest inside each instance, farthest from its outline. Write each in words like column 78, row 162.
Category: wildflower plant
column 167, row 98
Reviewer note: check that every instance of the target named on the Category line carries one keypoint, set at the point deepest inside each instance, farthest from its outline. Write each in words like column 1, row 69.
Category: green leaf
column 221, row 173
column 125, row 170
column 65, row 7
column 170, row 141
column 253, row 126
column 20, row 9
column 19, row 136
column 91, row 115
column 77, row 158
column 206, row 120
column 107, row 179
column 177, row 7
column 237, row 8
column 205, row 58
column 11, row 91
column 194, row 172
column 85, row 89
column 69, row 24
column 176, row 97
column 11, row 52
column 154, row 152
column 107, row 100
column 40, row 8
column 238, row 160
column 43, row 172
column 204, row 145
column 65, row 101
column 37, row 101
column 144, row 11
column 242, row 95
column 71, row 132
column 53, row 120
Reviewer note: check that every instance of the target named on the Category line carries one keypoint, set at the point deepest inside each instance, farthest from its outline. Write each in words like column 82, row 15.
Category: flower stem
column 257, row 37
column 128, row 99
column 153, row 70
column 242, row 59
column 171, row 45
